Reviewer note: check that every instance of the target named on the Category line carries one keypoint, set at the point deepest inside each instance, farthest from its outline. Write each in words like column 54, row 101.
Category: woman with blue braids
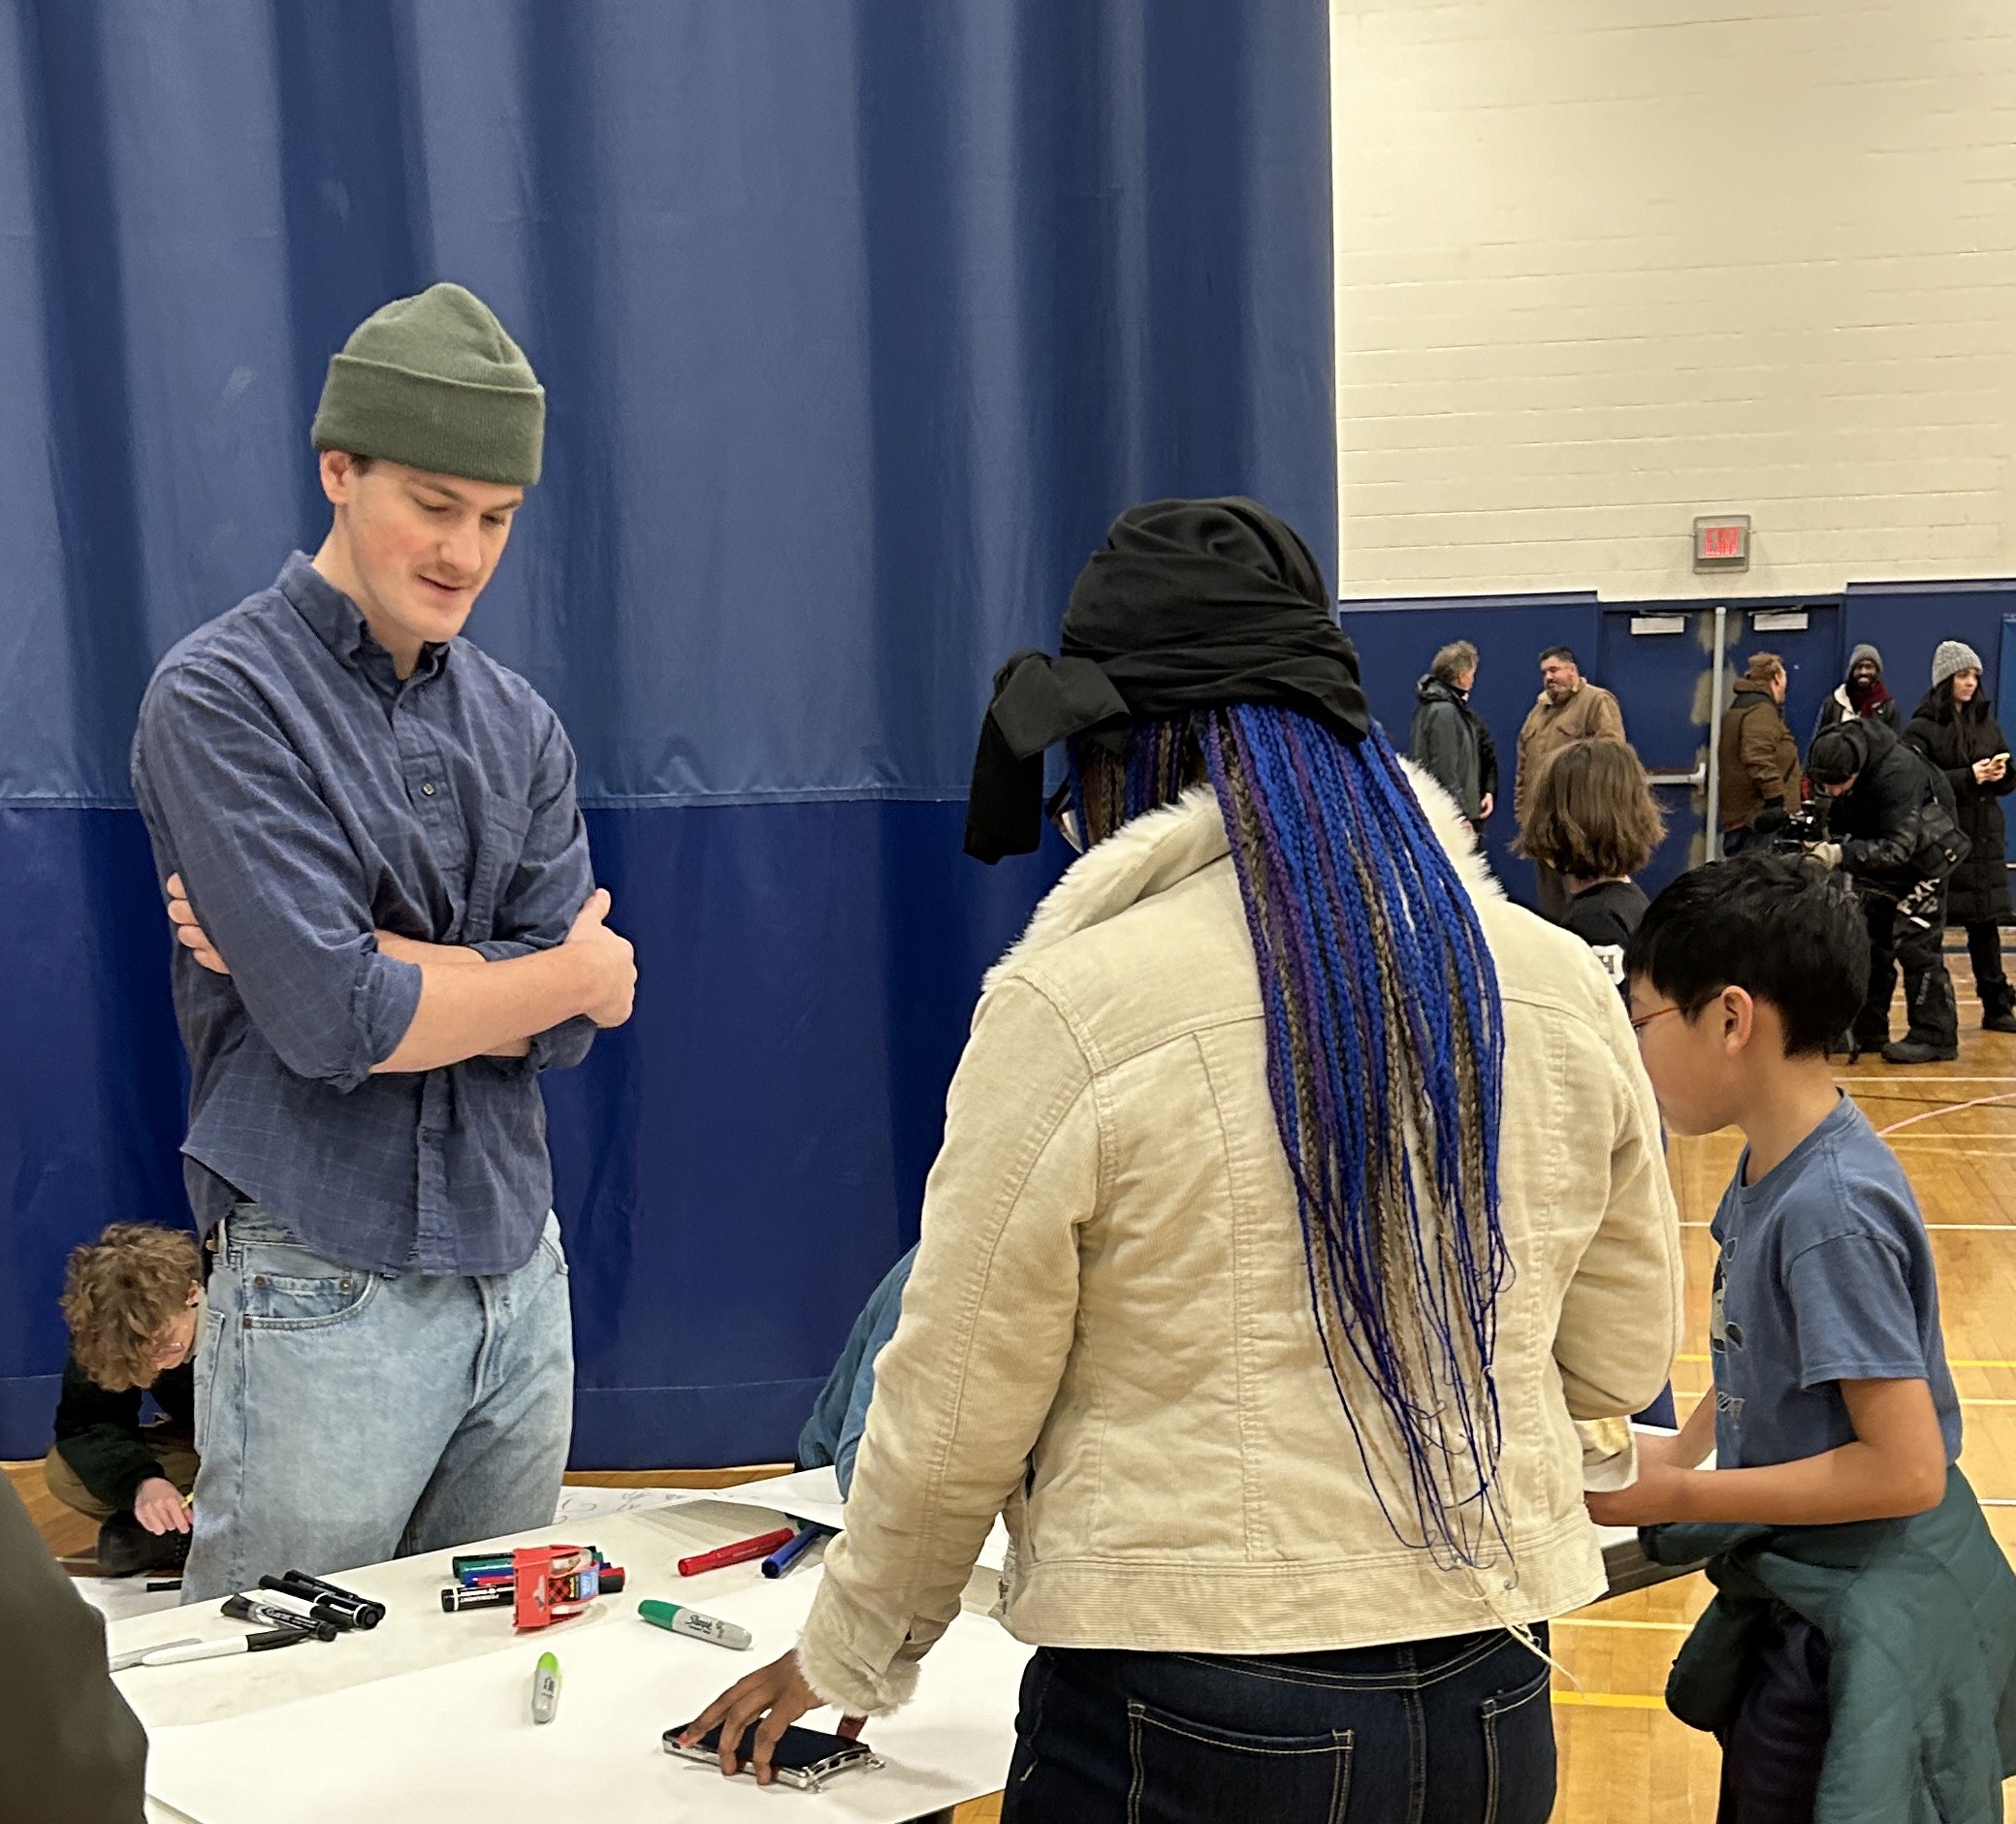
column 1300, row 1194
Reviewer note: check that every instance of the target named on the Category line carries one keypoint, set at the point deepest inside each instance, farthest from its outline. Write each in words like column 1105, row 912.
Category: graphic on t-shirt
column 1723, row 1336
column 1612, row 957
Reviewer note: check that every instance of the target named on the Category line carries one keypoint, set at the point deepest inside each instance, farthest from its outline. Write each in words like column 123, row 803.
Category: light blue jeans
column 345, row 1417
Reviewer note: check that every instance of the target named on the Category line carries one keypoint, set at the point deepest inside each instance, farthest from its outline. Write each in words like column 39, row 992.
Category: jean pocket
column 289, row 1289
column 1192, row 1772
column 207, row 1346
column 550, row 1242
column 1518, row 1752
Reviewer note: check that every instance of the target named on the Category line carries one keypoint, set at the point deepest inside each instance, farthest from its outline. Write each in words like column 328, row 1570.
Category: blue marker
column 793, row 1550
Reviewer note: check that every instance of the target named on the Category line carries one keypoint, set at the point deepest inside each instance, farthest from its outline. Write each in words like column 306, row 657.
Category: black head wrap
column 1193, row 604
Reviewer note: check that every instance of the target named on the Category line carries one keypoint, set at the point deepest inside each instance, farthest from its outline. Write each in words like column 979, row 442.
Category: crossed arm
column 470, row 1006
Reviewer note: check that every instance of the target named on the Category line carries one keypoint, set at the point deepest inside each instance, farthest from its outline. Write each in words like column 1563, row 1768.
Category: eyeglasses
column 1646, row 1019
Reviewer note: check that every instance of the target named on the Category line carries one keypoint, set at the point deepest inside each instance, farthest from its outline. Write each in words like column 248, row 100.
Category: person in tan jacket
column 1299, row 1194
column 1569, row 707
column 1758, row 757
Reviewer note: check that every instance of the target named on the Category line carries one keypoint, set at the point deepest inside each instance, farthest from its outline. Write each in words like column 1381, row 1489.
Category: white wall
column 1603, row 265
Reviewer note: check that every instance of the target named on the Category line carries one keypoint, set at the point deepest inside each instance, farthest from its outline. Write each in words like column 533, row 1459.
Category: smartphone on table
column 804, row 1758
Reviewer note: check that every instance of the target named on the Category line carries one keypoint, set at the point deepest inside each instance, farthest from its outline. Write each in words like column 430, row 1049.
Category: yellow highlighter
column 546, row 1687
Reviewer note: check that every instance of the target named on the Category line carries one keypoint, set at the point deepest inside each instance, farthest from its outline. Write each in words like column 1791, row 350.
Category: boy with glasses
column 1864, row 1641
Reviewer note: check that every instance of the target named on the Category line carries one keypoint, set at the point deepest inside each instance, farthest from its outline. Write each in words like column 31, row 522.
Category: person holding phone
column 1955, row 729
column 1298, row 1193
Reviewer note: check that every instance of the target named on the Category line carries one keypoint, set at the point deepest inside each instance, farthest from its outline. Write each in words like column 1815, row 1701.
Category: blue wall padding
column 858, row 323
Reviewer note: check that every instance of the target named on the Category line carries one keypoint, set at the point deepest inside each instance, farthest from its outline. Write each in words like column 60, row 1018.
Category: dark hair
column 1590, row 812
column 1385, row 1059
column 1560, row 652
column 1775, row 926
column 1453, row 660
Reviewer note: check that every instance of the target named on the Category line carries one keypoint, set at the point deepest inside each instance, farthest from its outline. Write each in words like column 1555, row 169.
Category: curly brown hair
column 1591, row 815
column 121, row 1293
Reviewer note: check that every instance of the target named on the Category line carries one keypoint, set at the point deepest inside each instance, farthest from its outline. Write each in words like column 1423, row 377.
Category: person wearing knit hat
column 1861, row 693
column 378, row 879
column 1890, row 829
column 1954, row 730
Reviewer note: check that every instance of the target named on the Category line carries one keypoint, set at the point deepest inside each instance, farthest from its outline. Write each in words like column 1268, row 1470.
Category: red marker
column 740, row 1552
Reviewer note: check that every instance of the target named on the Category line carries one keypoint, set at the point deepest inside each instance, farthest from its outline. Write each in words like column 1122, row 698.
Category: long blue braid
column 1385, row 1058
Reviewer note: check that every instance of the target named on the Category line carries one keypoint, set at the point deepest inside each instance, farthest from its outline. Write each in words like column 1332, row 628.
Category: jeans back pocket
column 1192, row 1772
column 1518, row 1752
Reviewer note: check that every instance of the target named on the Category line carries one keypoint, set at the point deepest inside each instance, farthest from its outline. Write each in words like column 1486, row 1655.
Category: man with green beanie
column 379, row 881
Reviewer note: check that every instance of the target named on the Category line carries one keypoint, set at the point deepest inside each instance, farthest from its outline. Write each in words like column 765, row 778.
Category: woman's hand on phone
column 776, row 1693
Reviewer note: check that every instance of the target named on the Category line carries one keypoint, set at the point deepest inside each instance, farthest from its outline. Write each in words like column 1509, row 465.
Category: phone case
column 804, row 1758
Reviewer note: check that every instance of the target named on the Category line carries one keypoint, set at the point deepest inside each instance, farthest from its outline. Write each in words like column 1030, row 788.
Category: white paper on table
column 456, row 1740
column 812, row 1495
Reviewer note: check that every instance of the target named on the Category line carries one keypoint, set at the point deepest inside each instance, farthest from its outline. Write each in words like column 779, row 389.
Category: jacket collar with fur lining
column 1154, row 852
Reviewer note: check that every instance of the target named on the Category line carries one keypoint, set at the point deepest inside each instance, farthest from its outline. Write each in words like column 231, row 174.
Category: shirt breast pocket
column 499, row 847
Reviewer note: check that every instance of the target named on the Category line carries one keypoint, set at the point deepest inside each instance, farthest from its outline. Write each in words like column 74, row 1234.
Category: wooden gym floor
column 1624, row 1759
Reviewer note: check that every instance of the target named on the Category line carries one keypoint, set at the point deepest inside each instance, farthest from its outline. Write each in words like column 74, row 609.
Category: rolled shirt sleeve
column 272, row 878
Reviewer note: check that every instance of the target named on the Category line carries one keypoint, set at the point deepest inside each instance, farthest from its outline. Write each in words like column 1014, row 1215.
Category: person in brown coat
column 1569, row 709
column 1758, row 757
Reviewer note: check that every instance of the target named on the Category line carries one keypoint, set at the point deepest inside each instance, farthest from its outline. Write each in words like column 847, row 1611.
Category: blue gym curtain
column 859, row 321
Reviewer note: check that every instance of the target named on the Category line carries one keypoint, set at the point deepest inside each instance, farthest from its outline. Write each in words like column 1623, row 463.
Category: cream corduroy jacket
column 1108, row 1335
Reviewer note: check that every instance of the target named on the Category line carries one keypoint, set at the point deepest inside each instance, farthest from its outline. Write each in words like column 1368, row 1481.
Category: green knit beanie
column 435, row 382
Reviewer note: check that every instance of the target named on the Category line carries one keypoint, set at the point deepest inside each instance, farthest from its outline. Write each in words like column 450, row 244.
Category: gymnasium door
column 1656, row 658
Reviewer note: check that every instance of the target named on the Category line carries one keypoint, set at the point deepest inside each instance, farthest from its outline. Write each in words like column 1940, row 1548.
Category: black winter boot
column 1997, row 1008
column 125, row 1546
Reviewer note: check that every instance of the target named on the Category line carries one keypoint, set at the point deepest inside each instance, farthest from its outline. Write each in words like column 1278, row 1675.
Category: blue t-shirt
column 1824, row 1274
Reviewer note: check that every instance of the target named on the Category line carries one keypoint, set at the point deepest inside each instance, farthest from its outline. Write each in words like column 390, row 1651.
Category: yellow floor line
column 1610, row 1700
column 1599, row 1621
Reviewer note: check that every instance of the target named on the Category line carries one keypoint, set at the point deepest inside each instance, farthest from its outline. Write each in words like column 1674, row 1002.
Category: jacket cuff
column 841, row 1676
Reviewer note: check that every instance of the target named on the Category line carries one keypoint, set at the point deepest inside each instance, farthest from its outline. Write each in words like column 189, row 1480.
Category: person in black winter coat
column 1888, row 815
column 1448, row 739
column 1955, row 730
column 1862, row 693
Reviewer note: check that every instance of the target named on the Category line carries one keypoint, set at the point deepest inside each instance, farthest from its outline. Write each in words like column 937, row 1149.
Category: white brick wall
column 1604, row 265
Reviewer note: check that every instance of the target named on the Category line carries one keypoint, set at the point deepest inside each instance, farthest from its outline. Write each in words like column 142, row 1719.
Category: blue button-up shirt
column 310, row 796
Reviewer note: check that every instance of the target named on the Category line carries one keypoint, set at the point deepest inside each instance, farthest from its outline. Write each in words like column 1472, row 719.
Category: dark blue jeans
column 1453, row 1731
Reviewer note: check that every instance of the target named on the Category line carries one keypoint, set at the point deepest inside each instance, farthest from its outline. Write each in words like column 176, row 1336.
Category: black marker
column 362, row 1613
column 268, row 1614
column 494, row 1596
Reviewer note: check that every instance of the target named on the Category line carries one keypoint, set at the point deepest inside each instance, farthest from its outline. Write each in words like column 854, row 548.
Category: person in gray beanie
column 388, row 927
column 1862, row 693
column 1955, row 729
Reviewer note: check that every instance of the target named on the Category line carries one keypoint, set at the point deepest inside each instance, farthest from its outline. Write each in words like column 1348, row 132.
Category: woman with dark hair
column 1955, row 729
column 1299, row 1193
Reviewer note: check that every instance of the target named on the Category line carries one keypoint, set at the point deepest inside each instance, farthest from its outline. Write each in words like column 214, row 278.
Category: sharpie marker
column 272, row 1615
column 362, row 1612
column 221, row 1649
column 788, row 1554
column 740, row 1552
column 701, row 1627
column 546, row 1682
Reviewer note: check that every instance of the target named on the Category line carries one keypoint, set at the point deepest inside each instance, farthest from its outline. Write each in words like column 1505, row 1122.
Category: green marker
column 701, row 1627
column 546, row 1682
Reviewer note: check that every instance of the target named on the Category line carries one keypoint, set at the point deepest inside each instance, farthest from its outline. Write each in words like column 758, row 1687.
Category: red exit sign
column 1722, row 544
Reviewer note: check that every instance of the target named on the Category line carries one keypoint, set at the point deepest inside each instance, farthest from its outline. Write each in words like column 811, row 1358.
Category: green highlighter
column 546, row 1684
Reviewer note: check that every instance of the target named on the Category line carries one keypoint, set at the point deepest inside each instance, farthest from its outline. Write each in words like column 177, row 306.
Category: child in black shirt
column 1592, row 819
column 134, row 1303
